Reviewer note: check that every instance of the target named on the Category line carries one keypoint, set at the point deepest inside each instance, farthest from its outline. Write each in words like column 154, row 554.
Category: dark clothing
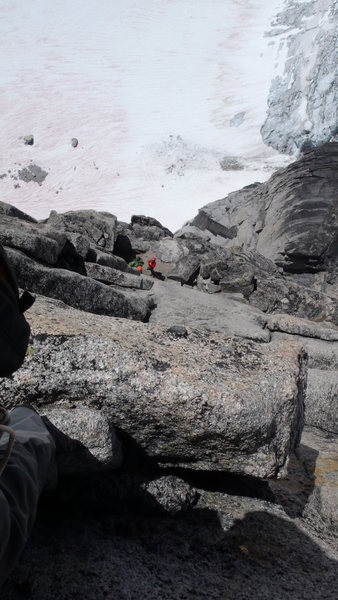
column 28, row 469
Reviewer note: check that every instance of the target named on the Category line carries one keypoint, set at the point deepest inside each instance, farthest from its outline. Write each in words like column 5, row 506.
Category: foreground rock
column 200, row 400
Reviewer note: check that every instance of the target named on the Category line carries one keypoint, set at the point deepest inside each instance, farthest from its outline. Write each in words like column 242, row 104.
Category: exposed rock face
column 149, row 228
column 110, row 260
column 74, row 289
column 244, row 412
column 98, row 227
column 321, row 394
column 12, row 211
column 139, row 236
column 74, row 244
column 291, row 219
column 302, row 104
column 78, row 430
column 322, row 399
column 170, row 494
column 115, row 277
column 25, row 236
column 228, row 315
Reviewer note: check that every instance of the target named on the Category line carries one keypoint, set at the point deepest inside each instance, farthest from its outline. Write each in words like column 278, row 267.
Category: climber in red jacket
column 151, row 265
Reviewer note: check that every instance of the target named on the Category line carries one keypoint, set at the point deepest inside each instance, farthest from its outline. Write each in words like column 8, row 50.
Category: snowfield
column 159, row 94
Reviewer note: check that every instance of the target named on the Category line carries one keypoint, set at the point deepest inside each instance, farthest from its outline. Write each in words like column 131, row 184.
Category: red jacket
column 152, row 263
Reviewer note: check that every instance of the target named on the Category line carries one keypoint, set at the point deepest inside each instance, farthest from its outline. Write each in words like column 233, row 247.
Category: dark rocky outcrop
column 74, row 244
column 149, row 228
column 28, row 140
column 291, row 219
column 26, row 237
column 98, row 227
column 138, row 236
column 110, row 260
column 75, row 289
column 115, row 277
column 12, row 211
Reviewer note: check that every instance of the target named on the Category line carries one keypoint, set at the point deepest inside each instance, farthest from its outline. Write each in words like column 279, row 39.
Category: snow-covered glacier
column 165, row 98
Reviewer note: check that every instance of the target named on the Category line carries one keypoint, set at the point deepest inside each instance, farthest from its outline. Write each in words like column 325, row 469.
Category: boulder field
column 195, row 410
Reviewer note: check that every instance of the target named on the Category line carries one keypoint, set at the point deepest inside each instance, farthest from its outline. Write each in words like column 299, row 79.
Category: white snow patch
column 122, row 77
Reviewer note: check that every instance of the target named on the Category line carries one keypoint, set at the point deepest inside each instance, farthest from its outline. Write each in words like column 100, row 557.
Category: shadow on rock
column 293, row 491
column 260, row 556
column 225, row 482
column 158, row 275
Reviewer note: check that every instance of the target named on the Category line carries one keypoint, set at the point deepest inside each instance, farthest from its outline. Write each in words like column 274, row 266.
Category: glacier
column 166, row 100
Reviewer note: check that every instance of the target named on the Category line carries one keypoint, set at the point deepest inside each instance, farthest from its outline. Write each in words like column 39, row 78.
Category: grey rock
column 291, row 219
column 115, row 277
column 28, row 140
column 98, row 227
column 322, row 400
column 321, row 510
column 275, row 295
column 74, row 289
column 309, row 488
column 149, row 228
column 245, row 414
column 301, row 327
column 97, row 443
column 75, row 142
column 186, row 272
column 170, row 250
column 80, row 243
column 322, row 355
column 247, row 272
column 177, row 331
column 110, row 260
column 12, row 211
column 170, row 494
column 208, row 286
column 321, row 392
column 32, row 173
column 25, row 236
column 231, row 163
column 222, row 313
column 140, row 236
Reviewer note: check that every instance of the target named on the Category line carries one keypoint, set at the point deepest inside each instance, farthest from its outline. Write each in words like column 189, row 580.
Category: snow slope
column 157, row 92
